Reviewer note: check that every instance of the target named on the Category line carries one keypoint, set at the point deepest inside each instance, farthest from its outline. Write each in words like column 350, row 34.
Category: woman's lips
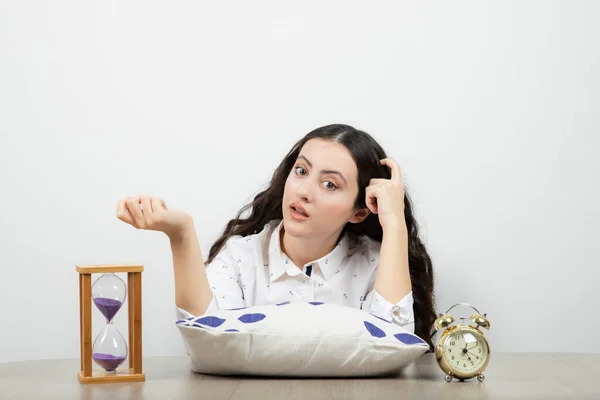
column 299, row 208
column 297, row 215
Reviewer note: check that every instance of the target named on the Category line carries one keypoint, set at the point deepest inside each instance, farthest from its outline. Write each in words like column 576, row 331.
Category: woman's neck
column 303, row 251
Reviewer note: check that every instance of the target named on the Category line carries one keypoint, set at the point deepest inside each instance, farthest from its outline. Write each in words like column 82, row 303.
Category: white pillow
column 298, row 339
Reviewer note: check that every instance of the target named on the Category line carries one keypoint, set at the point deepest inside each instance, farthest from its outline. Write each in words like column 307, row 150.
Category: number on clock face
column 465, row 351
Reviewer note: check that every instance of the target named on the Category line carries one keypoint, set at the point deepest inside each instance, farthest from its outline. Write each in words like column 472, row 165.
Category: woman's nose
column 304, row 191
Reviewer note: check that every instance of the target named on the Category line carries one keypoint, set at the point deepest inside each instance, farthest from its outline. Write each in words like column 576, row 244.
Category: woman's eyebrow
column 325, row 171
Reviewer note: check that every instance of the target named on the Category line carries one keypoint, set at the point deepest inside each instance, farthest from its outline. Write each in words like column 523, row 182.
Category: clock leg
column 480, row 377
column 448, row 378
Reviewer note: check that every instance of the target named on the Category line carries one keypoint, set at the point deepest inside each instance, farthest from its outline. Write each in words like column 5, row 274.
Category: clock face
column 465, row 351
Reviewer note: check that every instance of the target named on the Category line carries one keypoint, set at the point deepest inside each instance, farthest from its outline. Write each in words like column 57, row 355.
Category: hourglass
column 109, row 349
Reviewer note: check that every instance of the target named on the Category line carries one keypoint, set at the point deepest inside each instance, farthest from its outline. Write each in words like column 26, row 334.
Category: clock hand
column 474, row 355
column 465, row 351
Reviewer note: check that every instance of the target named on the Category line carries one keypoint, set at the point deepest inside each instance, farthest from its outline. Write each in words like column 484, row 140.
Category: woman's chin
column 295, row 228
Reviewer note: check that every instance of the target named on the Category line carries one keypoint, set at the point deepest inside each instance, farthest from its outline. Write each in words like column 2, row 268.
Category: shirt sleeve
column 400, row 313
column 224, row 278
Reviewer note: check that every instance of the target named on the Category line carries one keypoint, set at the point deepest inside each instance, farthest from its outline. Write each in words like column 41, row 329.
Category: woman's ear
column 360, row 215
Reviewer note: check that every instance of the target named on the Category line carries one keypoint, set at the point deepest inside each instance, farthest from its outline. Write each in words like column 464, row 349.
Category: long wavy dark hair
column 366, row 152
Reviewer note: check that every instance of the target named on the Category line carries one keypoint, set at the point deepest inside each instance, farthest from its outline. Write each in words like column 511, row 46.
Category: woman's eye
column 331, row 186
column 300, row 168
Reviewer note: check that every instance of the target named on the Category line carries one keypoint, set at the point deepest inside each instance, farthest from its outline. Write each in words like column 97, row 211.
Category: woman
column 334, row 225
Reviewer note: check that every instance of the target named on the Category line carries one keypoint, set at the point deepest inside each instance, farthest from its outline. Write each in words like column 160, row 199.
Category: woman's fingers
column 146, row 206
column 123, row 213
column 158, row 205
column 378, row 181
column 396, row 171
column 371, row 199
column 143, row 212
column 133, row 204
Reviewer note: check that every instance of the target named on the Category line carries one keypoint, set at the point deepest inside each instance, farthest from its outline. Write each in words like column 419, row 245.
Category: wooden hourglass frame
column 134, row 294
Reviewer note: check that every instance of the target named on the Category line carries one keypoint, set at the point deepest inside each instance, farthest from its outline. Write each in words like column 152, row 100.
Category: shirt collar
column 280, row 263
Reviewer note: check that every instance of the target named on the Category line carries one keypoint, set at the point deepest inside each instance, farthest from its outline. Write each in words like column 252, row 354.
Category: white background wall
column 490, row 108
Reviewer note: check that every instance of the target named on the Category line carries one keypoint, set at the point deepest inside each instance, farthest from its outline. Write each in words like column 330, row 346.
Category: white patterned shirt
column 252, row 270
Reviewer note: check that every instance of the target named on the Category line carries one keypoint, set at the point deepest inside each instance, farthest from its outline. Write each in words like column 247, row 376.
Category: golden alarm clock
column 462, row 351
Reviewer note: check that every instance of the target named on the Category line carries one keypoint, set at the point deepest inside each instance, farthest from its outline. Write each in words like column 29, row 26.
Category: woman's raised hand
column 151, row 213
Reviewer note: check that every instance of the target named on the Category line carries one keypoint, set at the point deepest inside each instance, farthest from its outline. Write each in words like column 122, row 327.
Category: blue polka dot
column 381, row 318
column 315, row 303
column 250, row 318
column 231, row 330
column 211, row 321
column 407, row 338
column 283, row 304
column 373, row 330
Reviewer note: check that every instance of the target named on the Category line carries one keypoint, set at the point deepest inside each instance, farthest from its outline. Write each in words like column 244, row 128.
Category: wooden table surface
column 508, row 376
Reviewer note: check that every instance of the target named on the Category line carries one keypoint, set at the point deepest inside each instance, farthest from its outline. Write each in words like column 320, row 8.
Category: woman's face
column 324, row 182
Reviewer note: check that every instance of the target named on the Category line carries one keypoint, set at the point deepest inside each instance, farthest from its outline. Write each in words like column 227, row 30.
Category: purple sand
column 108, row 361
column 108, row 307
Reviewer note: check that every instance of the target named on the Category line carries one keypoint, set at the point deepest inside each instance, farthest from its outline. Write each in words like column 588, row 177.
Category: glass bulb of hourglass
column 109, row 349
column 108, row 293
